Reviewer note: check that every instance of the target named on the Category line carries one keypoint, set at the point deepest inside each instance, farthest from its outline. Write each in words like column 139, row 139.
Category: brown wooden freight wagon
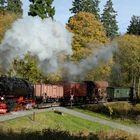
column 48, row 91
column 76, row 89
column 74, row 92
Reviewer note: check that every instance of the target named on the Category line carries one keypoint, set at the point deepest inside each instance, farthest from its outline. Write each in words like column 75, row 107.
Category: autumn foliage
column 127, row 60
column 89, row 35
column 88, row 31
column 6, row 19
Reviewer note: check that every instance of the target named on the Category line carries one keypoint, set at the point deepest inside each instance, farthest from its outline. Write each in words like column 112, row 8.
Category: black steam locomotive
column 15, row 87
column 15, row 94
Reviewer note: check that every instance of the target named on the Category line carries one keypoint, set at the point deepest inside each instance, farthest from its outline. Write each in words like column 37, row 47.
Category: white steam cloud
column 47, row 40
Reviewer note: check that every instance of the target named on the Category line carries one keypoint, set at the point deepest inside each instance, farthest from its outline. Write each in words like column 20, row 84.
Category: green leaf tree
column 2, row 7
column 41, row 8
column 134, row 27
column 26, row 68
column 109, row 20
column 126, row 60
column 91, row 6
column 12, row 6
column 15, row 6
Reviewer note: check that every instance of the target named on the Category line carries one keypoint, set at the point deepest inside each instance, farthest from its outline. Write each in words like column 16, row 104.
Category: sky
column 125, row 10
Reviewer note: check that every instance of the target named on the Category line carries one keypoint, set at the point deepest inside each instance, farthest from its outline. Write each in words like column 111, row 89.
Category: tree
column 26, row 68
column 88, row 32
column 101, row 73
column 6, row 20
column 134, row 27
column 127, row 60
column 14, row 6
column 2, row 3
column 109, row 20
column 41, row 8
column 77, row 6
column 91, row 6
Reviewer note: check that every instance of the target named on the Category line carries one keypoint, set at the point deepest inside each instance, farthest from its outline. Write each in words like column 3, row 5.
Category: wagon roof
column 101, row 84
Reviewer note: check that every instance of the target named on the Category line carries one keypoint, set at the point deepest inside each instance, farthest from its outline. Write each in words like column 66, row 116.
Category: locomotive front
column 15, row 93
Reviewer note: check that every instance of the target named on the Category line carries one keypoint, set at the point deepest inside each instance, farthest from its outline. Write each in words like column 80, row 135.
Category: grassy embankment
column 52, row 126
column 54, row 121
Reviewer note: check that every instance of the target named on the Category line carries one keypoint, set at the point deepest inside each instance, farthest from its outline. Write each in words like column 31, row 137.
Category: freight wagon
column 75, row 92
column 48, row 93
column 85, row 92
column 119, row 93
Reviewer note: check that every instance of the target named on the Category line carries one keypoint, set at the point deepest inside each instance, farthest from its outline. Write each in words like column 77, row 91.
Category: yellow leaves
column 81, row 53
column 129, row 44
column 86, row 25
column 88, row 35
column 6, row 20
column 54, row 77
column 100, row 73
column 131, row 41
column 87, row 30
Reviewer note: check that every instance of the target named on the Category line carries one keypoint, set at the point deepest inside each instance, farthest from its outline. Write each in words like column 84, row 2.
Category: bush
column 120, row 109
column 116, row 135
column 54, row 134
column 115, row 110
column 136, row 109
column 99, row 108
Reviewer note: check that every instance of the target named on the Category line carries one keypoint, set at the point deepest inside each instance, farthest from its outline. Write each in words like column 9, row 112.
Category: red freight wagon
column 76, row 89
column 48, row 91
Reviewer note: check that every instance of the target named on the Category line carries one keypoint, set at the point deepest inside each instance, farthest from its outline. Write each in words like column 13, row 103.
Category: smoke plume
column 98, row 57
column 47, row 40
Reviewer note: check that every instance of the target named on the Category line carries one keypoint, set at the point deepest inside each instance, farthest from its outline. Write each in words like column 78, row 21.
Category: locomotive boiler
column 11, row 86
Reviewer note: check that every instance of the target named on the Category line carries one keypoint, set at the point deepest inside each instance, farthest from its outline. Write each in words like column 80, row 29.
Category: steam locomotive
column 17, row 93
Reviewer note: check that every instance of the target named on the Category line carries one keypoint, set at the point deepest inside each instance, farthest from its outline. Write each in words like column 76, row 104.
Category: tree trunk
column 139, row 88
column 134, row 94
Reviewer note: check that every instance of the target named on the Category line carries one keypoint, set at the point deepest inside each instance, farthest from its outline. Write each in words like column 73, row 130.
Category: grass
column 125, row 121
column 54, row 121
column 53, row 126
